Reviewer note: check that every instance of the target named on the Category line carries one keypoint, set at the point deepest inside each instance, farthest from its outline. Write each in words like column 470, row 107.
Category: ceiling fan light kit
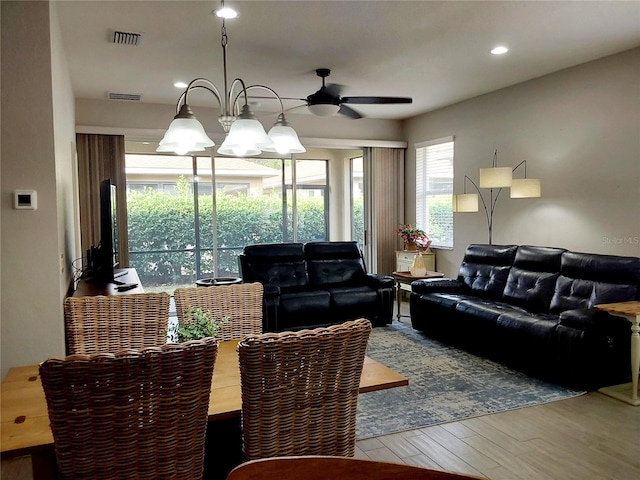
column 245, row 134
column 327, row 101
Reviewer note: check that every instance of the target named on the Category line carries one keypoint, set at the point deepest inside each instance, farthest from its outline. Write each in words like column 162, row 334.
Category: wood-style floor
column 591, row 437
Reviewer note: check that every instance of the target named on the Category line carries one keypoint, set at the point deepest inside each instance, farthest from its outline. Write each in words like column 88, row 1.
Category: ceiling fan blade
column 349, row 112
column 371, row 100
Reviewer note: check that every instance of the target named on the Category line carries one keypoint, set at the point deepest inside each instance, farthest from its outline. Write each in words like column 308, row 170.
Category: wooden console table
column 627, row 392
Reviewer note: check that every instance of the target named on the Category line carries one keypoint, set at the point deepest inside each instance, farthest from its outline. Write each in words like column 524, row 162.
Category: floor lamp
column 495, row 179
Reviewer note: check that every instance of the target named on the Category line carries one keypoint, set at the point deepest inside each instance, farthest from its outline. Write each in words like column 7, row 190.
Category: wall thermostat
column 25, row 200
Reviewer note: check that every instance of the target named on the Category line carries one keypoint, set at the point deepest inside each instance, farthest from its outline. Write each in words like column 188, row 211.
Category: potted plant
column 197, row 324
column 413, row 237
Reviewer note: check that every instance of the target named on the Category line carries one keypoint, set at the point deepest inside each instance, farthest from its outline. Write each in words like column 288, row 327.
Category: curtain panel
column 386, row 199
column 101, row 157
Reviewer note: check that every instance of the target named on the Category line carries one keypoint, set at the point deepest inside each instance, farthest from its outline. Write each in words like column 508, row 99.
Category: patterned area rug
column 445, row 385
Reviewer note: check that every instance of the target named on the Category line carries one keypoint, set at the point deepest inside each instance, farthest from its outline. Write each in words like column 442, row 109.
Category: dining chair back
column 300, row 390
column 324, row 467
column 134, row 414
column 110, row 323
column 240, row 304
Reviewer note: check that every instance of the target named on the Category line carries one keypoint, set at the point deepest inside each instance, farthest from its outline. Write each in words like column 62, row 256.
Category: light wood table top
column 626, row 309
column 25, row 422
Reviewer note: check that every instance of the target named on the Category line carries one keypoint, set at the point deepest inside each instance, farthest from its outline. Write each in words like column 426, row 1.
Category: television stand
column 88, row 288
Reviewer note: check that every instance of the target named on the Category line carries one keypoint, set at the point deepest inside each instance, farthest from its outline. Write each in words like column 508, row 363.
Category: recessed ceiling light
column 225, row 12
column 500, row 50
column 180, row 85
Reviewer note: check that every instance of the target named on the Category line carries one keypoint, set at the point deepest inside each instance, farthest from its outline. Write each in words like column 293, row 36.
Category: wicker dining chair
column 135, row 414
column 111, row 323
column 300, row 390
column 240, row 304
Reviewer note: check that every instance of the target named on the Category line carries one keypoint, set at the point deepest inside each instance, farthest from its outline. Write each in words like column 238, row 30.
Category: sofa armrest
column 271, row 302
column 377, row 281
column 434, row 285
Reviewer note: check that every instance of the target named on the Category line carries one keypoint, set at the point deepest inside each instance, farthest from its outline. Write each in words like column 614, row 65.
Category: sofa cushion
column 526, row 324
column 485, row 310
column 531, row 290
column 281, row 264
column 302, row 309
column 352, row 302
column 590, row 279
column 334, row 263
column 485, row 268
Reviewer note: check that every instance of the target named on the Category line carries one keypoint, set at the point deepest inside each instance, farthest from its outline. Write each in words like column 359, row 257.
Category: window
column 178, row 230
column 434, row 190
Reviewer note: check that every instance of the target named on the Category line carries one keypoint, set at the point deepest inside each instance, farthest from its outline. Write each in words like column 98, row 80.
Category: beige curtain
column 101, row 157
column 386, row 199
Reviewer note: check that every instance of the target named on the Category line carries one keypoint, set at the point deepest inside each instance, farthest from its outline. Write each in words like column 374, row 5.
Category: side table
column 405, row 278
column 627, row 392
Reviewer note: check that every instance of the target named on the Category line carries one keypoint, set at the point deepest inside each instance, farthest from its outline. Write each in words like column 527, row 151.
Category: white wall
column 578, row 129
column 33, row 284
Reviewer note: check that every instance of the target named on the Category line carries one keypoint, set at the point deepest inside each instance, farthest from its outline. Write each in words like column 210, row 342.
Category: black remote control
column 126, row 286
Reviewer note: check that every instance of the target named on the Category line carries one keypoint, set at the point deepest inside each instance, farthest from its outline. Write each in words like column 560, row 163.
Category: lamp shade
column 525, row 188
column 495, row 177
column 465, row 202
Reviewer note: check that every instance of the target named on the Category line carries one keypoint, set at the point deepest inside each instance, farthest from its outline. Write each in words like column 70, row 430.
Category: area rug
column 445, row 385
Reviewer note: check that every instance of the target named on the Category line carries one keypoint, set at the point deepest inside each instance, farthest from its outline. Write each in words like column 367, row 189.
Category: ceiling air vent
column 125, row 38
column 132, row 97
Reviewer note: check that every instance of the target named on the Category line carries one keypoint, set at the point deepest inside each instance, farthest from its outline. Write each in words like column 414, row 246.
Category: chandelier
column 245, row 135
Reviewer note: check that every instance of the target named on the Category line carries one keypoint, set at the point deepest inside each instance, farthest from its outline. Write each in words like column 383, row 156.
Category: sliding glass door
column 181, row 228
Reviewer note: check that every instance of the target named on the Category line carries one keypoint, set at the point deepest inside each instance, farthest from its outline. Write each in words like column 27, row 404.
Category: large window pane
column 180, row 232
column 162, row 233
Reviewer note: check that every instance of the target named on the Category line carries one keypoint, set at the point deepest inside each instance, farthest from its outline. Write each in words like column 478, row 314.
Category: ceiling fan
column 327, row 101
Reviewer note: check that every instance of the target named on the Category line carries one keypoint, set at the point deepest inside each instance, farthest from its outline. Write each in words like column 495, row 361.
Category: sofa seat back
column 532, row 279
column 485, row 268
column 334, row 263
column 588, row 279
column 281, row 264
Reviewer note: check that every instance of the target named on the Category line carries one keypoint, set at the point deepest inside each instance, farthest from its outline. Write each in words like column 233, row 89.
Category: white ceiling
column 436, row 52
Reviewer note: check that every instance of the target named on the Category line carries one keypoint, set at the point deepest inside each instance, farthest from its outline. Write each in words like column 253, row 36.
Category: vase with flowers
column 414, row 238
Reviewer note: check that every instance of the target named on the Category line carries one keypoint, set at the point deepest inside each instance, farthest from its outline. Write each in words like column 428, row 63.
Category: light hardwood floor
column 591, row 437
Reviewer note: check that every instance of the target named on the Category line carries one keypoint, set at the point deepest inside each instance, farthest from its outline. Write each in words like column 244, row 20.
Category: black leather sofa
column 316, row 284
column 532, row 308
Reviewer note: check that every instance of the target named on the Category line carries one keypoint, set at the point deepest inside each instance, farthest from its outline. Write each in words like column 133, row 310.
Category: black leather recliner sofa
column 316, row 284
column 532, row 308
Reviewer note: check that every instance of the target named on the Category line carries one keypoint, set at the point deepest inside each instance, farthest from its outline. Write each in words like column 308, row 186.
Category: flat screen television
column 105, row 259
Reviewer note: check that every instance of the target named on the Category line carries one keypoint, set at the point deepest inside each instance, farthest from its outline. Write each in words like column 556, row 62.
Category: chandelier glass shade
column 245, row 134
column 285, row 139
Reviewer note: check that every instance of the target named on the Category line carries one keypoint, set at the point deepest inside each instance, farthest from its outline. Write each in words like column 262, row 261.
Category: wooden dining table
column 25, row 422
